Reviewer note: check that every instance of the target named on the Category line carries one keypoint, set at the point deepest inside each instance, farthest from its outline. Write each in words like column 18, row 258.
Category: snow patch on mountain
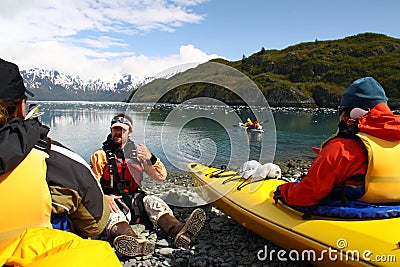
column 39, row 78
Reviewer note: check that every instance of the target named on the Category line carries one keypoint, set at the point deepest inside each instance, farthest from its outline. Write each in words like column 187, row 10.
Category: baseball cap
column 11, row 82
column 121, row 122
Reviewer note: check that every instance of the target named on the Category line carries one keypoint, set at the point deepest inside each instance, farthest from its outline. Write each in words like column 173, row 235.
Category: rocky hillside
column 312, row 74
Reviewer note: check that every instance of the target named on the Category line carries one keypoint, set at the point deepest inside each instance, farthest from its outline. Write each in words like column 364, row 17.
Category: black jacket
column 74, row 189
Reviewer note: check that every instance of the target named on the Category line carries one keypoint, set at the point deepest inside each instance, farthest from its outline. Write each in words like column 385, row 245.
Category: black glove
column 277, row 195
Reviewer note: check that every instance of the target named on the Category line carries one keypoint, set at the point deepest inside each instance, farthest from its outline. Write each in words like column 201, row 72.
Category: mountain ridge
column 53, row 85
column 312, row 74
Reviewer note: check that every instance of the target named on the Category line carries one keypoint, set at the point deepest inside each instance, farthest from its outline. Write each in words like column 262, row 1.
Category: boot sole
column 131, row 247
column 191, row 228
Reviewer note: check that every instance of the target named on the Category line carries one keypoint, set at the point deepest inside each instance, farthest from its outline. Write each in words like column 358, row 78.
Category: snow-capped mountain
column 53, row 85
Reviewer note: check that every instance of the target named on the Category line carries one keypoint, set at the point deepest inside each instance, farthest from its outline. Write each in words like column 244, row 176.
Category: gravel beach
column 222, row 241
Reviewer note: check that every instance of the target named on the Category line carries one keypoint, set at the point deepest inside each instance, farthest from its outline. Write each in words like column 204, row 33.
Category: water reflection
column 300, row 129
column 254, row 137
column 180, row 134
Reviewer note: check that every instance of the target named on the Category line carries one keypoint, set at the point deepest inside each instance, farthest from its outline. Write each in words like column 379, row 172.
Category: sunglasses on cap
column 121, row 120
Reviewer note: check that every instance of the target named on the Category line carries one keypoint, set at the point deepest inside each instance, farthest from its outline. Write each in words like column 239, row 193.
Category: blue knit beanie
column 364, row 93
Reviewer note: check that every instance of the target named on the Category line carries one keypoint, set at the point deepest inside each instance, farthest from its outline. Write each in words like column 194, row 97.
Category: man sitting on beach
column 119, row 166
column 367, row 129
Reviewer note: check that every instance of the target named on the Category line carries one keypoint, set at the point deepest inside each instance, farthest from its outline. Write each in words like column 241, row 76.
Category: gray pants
column 154, row 206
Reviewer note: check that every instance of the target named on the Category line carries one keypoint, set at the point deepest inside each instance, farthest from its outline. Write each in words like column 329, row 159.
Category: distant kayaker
column 255, row 125
column 39, row 180
column 361, row 161
column 119, row 165
column 248, row 123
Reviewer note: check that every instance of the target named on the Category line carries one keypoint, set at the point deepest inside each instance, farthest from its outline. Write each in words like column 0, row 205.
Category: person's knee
column 154, row 204
column 154, row 201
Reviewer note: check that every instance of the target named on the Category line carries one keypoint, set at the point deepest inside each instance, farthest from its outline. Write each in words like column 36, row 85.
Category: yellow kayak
column 322, row 241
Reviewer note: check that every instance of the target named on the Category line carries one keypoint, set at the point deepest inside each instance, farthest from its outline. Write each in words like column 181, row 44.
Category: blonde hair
column 7, row 110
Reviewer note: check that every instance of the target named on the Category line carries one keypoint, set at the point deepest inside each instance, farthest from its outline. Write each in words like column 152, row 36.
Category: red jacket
column 341, row 158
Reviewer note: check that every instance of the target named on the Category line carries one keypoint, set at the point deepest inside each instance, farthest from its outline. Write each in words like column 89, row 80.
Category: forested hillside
column 312, row 74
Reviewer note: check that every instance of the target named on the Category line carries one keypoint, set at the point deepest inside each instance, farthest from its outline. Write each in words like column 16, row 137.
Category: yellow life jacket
column 51, row 248
column 382, row 181
column 247, row 123
column 26, row 200
column 26, row 237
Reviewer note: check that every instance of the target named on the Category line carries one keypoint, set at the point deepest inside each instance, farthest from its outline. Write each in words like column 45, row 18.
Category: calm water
column 182, row 134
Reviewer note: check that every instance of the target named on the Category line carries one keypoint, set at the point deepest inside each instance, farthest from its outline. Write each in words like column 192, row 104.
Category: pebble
column 166, row 251
column 162, row 243
column 222, row 242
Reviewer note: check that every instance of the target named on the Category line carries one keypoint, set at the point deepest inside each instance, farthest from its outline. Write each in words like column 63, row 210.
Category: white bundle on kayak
column 268, row 170
column 249, row 168
column 254, row 170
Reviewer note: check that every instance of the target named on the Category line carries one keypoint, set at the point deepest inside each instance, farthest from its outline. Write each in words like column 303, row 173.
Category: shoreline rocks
column 222, row 241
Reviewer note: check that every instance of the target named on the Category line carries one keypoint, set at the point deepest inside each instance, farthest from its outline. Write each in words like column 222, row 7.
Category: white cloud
column 30, row 20
column 89, row 64
column 100, row 42
column 150, row 66
column 86, row 37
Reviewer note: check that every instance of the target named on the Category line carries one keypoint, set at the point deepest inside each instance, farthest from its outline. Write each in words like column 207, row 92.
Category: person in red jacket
column 344, row 158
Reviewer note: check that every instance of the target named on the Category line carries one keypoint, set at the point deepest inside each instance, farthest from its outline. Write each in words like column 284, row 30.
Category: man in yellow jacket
column 119, row 165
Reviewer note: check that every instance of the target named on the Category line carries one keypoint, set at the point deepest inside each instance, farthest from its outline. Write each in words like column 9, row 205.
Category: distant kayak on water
column 258, row 129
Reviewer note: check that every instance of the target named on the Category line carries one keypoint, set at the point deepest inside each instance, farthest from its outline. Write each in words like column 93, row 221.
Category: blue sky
column 103, row 38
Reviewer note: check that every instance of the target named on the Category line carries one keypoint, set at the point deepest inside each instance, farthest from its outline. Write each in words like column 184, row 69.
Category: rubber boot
column 127, row 242
column 182, row 234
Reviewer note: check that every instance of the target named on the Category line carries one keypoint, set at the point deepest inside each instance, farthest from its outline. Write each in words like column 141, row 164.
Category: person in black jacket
column 75, row 192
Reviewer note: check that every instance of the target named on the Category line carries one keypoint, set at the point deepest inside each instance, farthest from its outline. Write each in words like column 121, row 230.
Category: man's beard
column 117, row 140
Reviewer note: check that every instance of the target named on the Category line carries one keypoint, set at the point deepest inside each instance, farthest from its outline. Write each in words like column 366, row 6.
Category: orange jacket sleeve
column 159, row 173
column 98, row 161
column 340, row 159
